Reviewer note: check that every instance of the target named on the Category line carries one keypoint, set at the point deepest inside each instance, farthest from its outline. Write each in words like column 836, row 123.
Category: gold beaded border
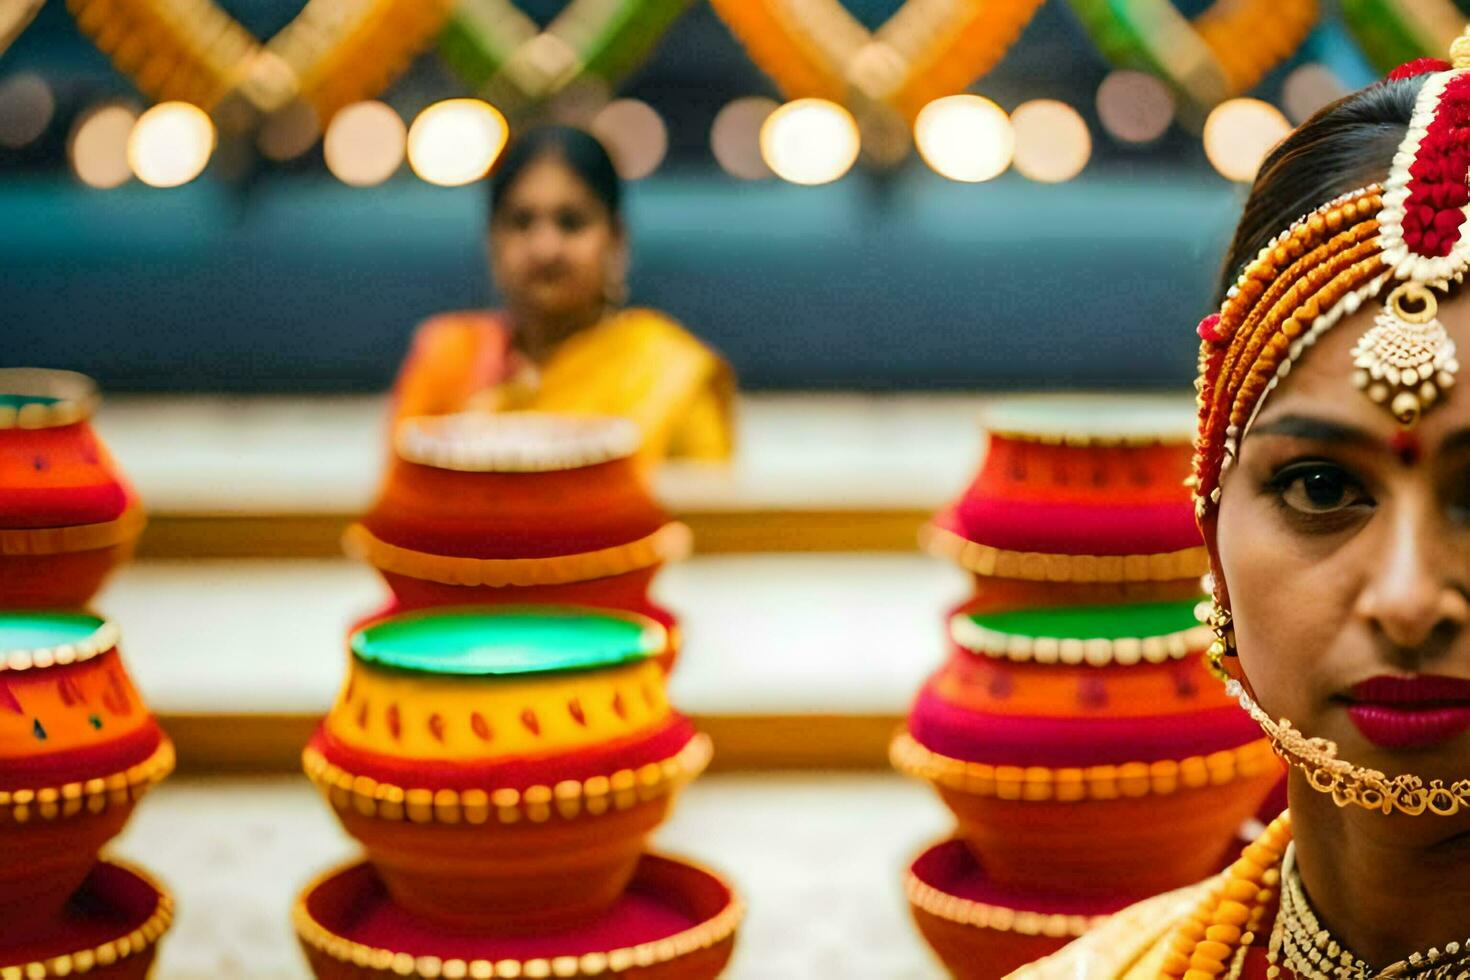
column 568, row 799
column 671, row 542
column 1001, row 918
column 1035, row 784
column 1035, row 566
column 701, row 936
column 582, row 440
column 76, row 537
column 1073, row 651
column 93, row 795
column 77, row 393
column 83, row 961
column 103, row 639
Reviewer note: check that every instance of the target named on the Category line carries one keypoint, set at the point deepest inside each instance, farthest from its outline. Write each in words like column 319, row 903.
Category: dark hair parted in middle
column 582, row 153
column 1348, row 145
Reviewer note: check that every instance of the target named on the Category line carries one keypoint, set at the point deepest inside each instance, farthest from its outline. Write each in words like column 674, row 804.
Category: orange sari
column 636, row 363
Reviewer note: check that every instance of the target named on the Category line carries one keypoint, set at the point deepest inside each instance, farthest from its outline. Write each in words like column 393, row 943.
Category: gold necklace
column 1307, row 949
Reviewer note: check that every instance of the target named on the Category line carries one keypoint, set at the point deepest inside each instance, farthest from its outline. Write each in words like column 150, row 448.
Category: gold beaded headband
column 1411, row 231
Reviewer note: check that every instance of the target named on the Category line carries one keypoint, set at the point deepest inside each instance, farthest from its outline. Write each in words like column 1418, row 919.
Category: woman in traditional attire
column 1333, row 489
column 558, row 253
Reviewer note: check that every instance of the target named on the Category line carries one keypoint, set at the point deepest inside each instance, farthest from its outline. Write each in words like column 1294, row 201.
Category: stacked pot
column 1074, row 731
column 503, row 745
column 77, row 745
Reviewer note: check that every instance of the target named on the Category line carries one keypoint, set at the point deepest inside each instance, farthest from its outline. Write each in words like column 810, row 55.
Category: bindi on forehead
column 1406, row 446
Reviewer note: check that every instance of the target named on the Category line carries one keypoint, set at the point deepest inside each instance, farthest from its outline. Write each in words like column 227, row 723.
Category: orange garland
column 1210, row 942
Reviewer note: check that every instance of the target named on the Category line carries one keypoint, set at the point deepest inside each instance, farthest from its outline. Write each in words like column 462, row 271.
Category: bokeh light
column 1134, row 107
column 1053, row 143
column 965, row 137
column 810, row 141
column 365, row 143
column 635, row 137
column 26, row 108
column 1308, row 89
column 735, row 136
column 1238, row 135
column 98, row 145
column 171, row 144
column 289, row 131
column 456, row 141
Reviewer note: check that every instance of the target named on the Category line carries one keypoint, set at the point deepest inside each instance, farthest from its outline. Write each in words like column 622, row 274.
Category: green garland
column 506, row 57
column 1392, row 32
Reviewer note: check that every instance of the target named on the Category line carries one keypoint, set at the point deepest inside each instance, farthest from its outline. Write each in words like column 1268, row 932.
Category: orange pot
column 517, row 508
column 67, row 516
column 677, row 922
column 77, row 748
column 1078, row 490
column 504, row 767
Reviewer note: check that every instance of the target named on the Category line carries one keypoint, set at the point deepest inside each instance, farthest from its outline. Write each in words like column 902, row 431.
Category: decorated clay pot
column 67, row 516
column 77, row 748
column 1077, row 490
column 502, row 766
column 1087, row 750
column 518, row 508
column 981, row 931
column 109, row 930
column 675, row 921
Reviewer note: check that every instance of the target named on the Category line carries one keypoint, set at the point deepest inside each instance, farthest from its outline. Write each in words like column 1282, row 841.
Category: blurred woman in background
column 564, row 342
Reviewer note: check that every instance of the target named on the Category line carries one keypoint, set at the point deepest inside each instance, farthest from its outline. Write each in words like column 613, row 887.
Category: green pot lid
column 8, row 400
column 488, row 642
column 41, row 638
column 1152, row 632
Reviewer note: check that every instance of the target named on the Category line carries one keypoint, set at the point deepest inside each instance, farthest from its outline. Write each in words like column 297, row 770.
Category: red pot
column 67, row 515
column 676, row 922
column 517, row 508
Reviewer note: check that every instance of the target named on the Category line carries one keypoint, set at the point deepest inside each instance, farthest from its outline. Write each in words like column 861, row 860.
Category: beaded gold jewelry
column 1409, row 232
column 1351, row 785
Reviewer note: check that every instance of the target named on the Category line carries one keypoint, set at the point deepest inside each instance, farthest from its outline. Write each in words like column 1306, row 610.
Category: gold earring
column 1219, row 620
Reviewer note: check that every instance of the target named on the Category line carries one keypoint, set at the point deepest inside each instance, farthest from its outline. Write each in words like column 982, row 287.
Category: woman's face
column 1344, row 543
column 553, row 245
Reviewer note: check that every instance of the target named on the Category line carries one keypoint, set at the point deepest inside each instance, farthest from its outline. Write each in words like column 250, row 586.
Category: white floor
column 819, row 861
column 191, row 454
column 792, row 633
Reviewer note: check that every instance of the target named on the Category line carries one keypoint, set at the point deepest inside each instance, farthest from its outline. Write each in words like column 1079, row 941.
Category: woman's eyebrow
column 1321, row 430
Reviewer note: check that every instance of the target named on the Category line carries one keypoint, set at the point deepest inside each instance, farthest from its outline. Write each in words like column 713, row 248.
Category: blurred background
column 877, row 242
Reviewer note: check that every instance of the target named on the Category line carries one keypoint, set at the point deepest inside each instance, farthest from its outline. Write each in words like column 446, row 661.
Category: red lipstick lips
column 1414, row 712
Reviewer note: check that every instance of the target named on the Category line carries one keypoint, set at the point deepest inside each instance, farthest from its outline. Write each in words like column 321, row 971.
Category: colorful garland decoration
column 1392, row 32
column 816, row 48
column 333, row 53
column 512, row 62
column 1222, row 53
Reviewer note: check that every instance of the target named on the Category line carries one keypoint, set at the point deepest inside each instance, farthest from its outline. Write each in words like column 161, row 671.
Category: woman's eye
column 571, row 221
column 1320, row 489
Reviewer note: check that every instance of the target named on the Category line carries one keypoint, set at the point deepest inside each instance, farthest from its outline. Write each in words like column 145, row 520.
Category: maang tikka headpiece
column 1409, row 238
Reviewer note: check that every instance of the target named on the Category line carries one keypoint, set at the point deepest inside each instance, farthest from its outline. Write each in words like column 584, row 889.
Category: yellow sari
column 636, row 363
column 1131, row 945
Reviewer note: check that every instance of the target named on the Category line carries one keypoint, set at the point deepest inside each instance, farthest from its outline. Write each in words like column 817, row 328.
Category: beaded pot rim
column 102, row 639
column 672, row 542
column 1036, row 784
column 515, row 442
column 92, row 795
column 999, row 918
column 1115, row 421
column 69, row 398
column 568, row 799
column 1074, row 651
column 76, row 537
column 81, row 961
column 1034, row 566
column 703, row 935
